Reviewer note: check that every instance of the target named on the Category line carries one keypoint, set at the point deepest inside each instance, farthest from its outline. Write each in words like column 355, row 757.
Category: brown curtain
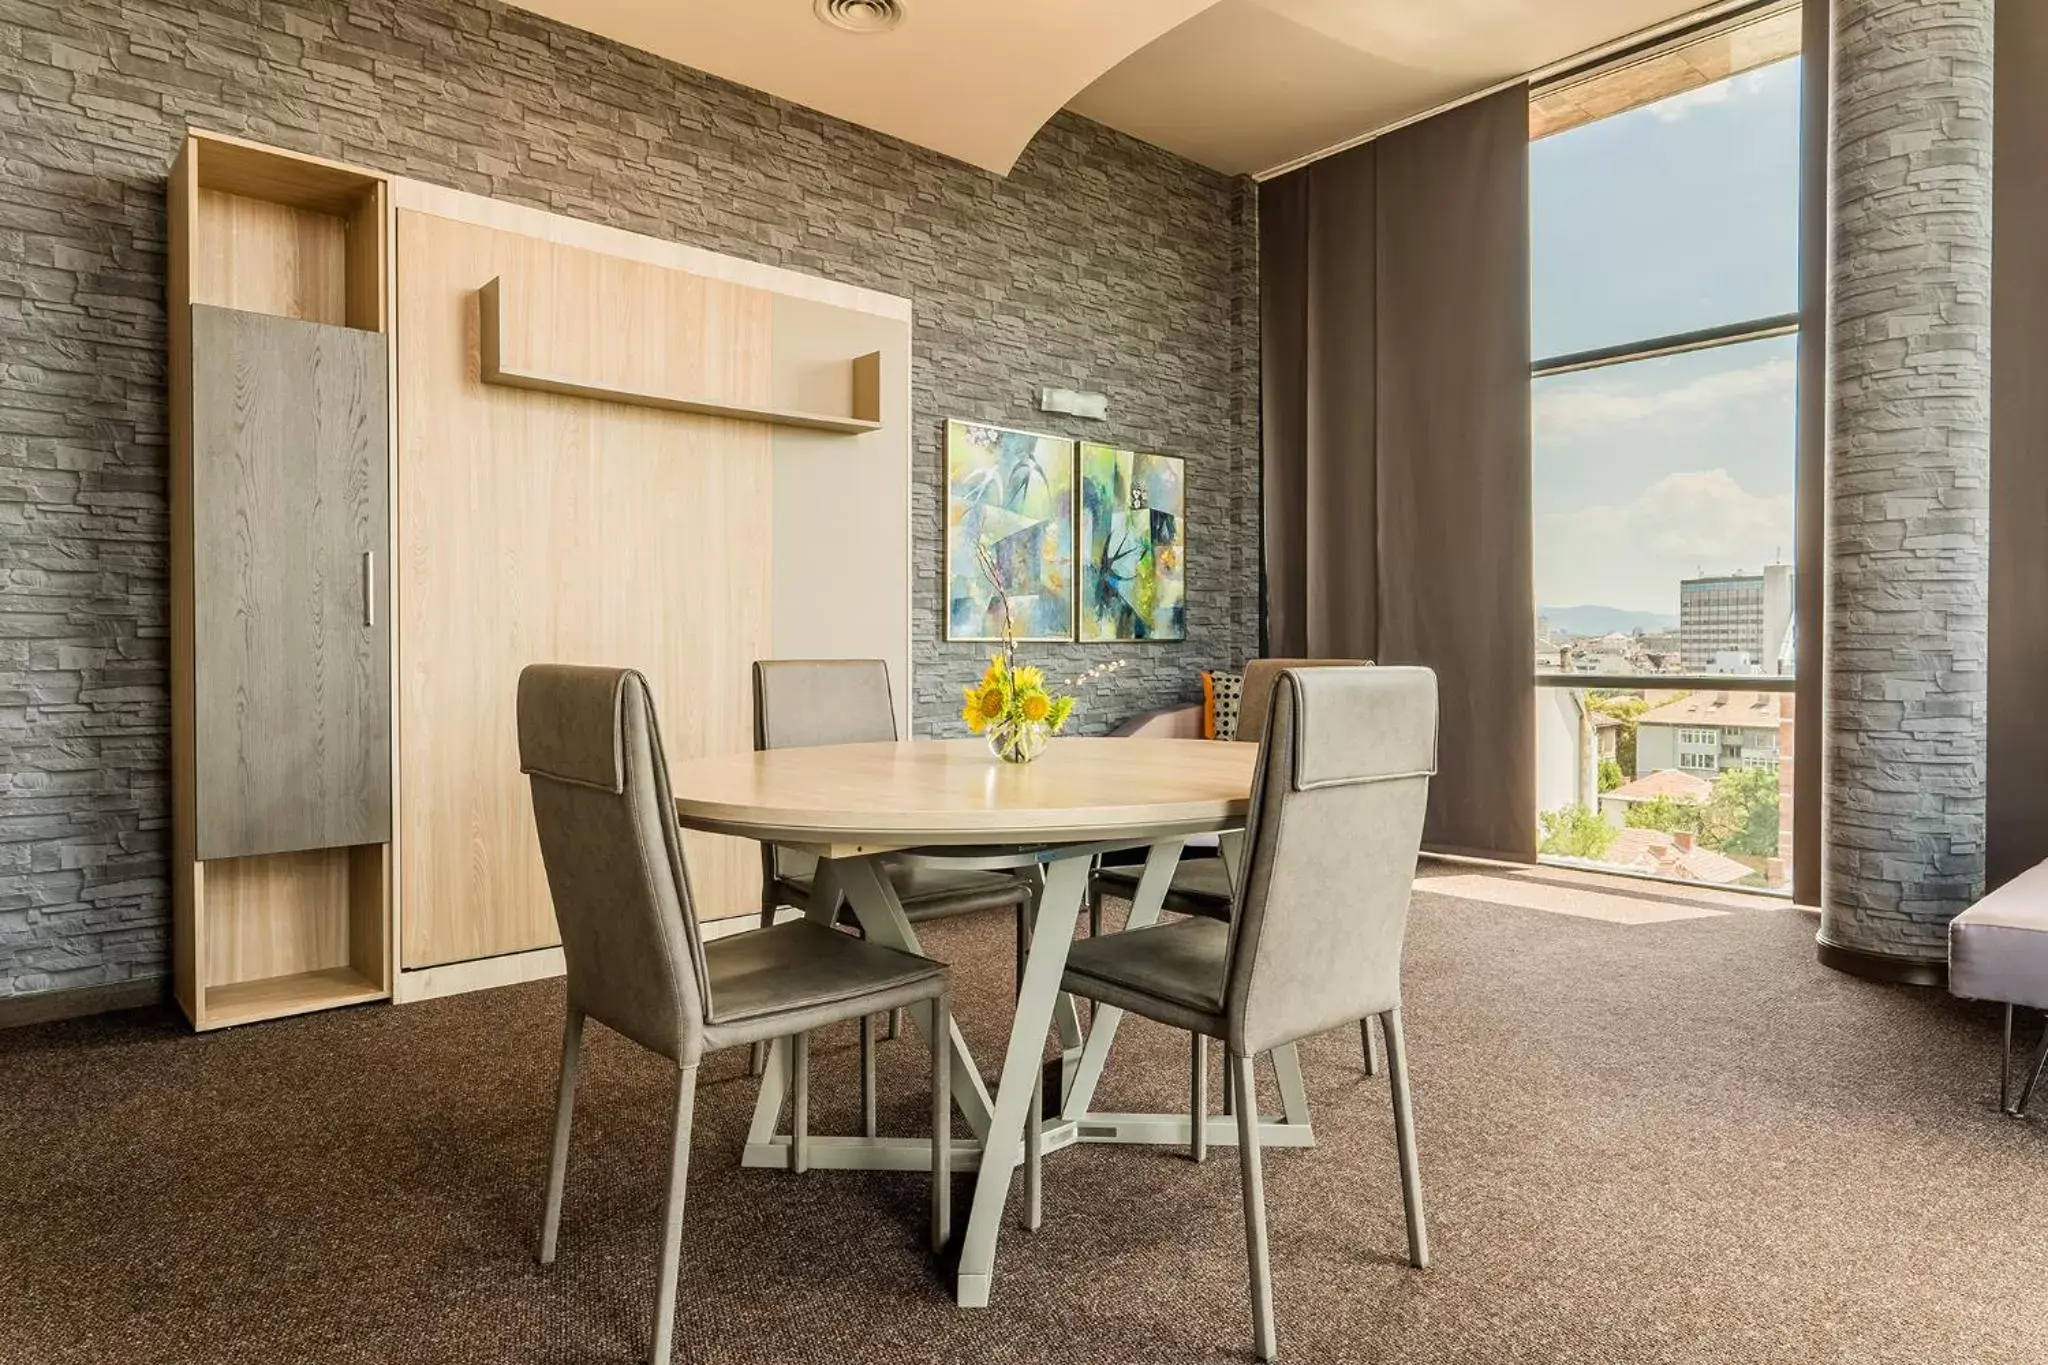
column 2016, row 794
column 1394, row 283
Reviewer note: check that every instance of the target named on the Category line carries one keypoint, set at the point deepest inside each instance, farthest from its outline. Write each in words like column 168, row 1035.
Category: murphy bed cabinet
column 280, row 383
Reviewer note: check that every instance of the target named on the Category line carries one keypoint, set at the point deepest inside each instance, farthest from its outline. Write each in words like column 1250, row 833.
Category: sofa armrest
column 1172, row 722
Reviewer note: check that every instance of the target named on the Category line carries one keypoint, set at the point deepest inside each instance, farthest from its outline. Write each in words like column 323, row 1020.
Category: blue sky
column 1680, row 215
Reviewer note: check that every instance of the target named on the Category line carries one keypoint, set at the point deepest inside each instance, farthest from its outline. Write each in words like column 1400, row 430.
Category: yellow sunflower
column 1036, row 706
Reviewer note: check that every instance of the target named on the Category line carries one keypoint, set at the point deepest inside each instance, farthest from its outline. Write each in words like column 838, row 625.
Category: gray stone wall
column 1909, row 473
column 1100, row 262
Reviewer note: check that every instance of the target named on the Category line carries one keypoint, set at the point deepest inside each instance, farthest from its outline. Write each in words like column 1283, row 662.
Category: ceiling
column 1248, row 85
column 975, row 79
column 1239, row 85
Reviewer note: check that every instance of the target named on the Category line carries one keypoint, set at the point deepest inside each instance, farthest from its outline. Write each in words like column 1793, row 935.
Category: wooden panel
column 541, row 528
column 529, row 339
column 181, row 207
column 276, row 915
column 270, row 173
column 369, row 913
column 367, row 250
column 292, row 668
column 270, row 258
column 275, row 997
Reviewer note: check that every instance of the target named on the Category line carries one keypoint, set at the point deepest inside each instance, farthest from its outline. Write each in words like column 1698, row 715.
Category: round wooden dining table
column 859, row 807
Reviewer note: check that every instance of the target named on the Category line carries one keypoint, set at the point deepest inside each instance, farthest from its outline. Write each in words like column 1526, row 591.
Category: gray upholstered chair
column 1322, row 906
column 1201, row 886
column 637, row 963
column 803, row 702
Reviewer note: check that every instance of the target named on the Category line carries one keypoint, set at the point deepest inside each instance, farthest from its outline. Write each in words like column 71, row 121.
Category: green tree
column 1576, row 832
column 1625, row 707
column 1611, row 775
column 1742, row 814
column 1672, row 814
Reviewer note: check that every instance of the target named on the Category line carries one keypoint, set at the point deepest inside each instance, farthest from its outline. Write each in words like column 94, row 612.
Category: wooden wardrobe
column 421, row 439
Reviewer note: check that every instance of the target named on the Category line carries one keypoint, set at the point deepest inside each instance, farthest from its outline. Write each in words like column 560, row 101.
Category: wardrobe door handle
column 369, row 587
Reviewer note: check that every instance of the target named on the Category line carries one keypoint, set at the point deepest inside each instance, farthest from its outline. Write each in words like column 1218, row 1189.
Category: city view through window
column 1664, row 255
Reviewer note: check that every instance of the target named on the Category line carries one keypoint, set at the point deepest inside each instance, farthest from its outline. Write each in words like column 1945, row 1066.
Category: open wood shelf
column 274, row 997
column 865, row 375
column 268, row 919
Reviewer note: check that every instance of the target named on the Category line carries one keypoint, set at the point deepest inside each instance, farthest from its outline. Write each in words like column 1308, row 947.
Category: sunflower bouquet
column 1012, row 704
column 1013, row 707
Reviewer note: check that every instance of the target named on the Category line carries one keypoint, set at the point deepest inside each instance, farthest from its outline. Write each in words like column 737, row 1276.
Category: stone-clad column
column 1908, row 480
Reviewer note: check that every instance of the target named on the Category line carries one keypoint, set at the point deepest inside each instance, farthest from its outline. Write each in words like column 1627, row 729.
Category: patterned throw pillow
column 1221, row 695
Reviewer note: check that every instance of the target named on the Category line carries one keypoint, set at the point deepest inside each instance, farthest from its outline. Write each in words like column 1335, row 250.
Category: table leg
column 882, row 919
column 1230, row 846
column 1145, row 902
column 1058, row 910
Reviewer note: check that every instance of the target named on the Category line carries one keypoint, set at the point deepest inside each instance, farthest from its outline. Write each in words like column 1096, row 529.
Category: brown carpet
column 1678, row 1141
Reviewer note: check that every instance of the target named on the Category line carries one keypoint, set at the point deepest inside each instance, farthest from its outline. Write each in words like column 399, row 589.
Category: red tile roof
column 1672, row 782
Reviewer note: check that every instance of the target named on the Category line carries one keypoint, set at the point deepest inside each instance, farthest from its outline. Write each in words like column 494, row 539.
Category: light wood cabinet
column 281, row 609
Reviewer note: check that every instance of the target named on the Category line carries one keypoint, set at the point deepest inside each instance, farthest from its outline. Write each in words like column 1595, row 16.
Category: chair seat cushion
column 1169, row 972
column 1998, row 948
column 798, row 976
column 930, row 892
column 1201, row 886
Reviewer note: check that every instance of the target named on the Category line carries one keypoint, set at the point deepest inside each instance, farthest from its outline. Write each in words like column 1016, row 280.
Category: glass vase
column 1018, row 741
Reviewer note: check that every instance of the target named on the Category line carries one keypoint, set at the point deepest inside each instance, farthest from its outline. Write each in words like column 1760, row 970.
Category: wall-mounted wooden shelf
column 498, row 366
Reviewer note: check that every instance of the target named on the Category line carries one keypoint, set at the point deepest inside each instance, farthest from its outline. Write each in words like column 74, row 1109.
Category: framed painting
column 1133, row 533
column 1009, row 533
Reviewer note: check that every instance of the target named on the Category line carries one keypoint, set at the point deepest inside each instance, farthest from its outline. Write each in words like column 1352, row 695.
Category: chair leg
column 942, row 1121
column 895, row 1025
column 1198, row 1096
column 1254, row 1211
column 2005, row 1063
column 757, row 1055
column 558, row 1153
column 800, row 1103
column 1372, row 1056
column 2033, row 1077
column 1229, row 1087
column 1094, row 913
column 867, row 1075
column 1404, row 1139
column 672, row 1219
column 1034, row 1154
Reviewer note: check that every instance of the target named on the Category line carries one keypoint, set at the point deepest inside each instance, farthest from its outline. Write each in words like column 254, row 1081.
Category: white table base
column 999, row 1121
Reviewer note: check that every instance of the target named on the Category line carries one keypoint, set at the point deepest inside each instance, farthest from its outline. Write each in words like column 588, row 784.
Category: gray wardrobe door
column 291, row 553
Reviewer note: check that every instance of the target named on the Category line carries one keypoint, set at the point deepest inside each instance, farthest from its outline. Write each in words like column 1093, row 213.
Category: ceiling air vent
column 860, row 16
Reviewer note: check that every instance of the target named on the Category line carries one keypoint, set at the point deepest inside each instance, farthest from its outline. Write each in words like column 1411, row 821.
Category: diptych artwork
column 1133, row 575
column 1011, row 492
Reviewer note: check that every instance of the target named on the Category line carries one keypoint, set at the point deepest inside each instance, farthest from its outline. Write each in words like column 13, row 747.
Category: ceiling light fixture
column 859, row 16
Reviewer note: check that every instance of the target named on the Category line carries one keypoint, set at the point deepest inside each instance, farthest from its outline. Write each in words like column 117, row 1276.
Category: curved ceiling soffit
column 973, row 79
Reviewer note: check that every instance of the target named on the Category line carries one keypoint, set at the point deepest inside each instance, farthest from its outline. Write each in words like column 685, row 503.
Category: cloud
column 1632, row 554
column 1688, row 102
column 1600, row 401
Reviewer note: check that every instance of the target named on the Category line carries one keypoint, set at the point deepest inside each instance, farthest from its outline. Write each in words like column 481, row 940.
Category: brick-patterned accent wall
column 1100, row 262
column 1909, row 473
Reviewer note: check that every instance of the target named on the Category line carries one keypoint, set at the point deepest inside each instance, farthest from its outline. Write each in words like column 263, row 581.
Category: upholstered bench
column 1998, row 950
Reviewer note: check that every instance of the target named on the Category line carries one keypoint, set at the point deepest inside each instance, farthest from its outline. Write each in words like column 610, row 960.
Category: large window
column 1664, row 249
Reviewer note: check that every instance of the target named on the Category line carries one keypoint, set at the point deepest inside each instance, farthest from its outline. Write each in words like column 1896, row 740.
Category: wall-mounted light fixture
column 1075, row 403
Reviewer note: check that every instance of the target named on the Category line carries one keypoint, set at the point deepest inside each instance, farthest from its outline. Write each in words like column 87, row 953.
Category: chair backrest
column 1260, row 675
column 799, row 703
column 608, row 835
column 802, row 702
column 1330, row 849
